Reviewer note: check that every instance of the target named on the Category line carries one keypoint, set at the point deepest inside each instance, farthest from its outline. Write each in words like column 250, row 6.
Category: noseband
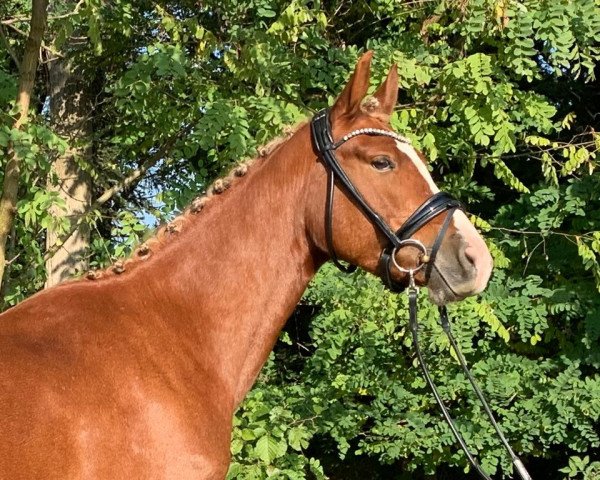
column 437, row 204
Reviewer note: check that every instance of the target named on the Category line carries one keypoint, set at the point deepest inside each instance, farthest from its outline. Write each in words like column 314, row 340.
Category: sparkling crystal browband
column 371, row 131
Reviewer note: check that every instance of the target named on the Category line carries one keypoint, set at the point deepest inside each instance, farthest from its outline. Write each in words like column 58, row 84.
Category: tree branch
column 75, row 11
column 24, row 18
column 10, row 186
column 45, row 47
column 10, row 21
column 545, row 233
column 9, row 48
column 128, row 181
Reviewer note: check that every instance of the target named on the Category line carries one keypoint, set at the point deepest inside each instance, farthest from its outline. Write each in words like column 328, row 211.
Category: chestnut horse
column 136, row 372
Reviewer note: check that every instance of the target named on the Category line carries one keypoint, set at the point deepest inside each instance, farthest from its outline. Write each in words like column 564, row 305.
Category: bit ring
column 411, row 242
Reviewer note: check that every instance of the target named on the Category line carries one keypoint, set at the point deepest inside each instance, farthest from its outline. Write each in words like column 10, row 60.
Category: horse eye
column 382, row 163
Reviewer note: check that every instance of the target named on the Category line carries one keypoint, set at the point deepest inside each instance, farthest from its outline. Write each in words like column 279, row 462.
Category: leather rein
column 434, row 206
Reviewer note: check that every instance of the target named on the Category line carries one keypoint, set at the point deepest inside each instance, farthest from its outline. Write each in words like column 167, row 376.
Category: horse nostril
column 471, row 255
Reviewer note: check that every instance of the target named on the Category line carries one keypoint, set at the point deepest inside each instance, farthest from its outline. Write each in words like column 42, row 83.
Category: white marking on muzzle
column 476, row 248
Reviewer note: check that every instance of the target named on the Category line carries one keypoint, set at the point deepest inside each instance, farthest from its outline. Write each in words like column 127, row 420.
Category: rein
column 434, row 206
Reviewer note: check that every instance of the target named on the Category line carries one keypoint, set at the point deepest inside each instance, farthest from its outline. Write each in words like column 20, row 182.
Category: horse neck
column 241, row 267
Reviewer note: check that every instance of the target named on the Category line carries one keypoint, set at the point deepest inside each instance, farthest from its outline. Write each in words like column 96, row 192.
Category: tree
column 71, row 92
column 69, row 108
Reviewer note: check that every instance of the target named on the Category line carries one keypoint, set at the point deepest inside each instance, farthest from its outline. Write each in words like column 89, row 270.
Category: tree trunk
column 10, row 185
column 70, row 106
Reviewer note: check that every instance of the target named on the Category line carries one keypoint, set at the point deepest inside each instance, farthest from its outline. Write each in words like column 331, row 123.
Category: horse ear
column 356, row 88
column 387, row 94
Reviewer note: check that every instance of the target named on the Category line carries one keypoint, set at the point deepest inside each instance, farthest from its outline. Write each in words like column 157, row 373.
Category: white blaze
column 411, row 153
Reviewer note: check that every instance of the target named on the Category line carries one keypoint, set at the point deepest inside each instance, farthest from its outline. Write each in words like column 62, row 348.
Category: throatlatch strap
column 329, row 226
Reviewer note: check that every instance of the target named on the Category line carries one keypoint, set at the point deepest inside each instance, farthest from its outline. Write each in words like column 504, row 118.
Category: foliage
column 501, row 95
column 362, row 388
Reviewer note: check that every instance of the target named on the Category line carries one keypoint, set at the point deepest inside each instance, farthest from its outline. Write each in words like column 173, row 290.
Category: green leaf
column 265, row 12
column 268, row 448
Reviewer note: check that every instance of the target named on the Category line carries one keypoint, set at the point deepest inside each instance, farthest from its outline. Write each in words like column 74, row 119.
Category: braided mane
column 168, row 231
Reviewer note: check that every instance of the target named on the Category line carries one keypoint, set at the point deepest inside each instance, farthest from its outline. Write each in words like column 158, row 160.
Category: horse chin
column 442, row 296
column 440, row 292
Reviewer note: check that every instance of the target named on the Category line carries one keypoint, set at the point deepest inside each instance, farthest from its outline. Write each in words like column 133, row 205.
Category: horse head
column 385, row 172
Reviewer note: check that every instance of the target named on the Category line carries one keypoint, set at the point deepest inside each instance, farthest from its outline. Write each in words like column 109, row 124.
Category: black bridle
column 433, row 207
